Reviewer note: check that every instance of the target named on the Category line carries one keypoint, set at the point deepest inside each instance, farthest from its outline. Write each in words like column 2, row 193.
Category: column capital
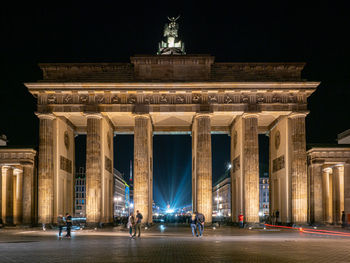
column 138, row 115
column 250, row 115
column 298, row 114
column 201, row 115
column 93, row 115
column 338, row 166
column 45, row 116
column 27, row 164
column 7, row 167
column 328, row 170
column 17, row 170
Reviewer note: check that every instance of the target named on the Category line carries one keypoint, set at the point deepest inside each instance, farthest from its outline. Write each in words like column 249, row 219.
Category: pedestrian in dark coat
column 343, row 222
column 69, row 224
column 139, row 218
column 193, row 224
column 200, row 219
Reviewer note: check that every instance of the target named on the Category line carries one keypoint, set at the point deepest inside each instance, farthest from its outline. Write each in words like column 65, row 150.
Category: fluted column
column 315, row 193
column 338, row 193
column 1, row 173
column 28, row 195
column 347, row 190
column 251, row 167
column 143, row 166
column 46, row 169
column 298, row 168
column 8, row 196
column 327, row 195
column 93, row 169
column 17, row 197
column 201, row 134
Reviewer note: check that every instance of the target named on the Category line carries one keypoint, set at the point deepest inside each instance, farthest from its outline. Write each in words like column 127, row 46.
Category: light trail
column 313, row 231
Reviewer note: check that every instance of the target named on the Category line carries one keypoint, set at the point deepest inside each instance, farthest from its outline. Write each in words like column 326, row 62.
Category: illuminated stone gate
column 172, row 94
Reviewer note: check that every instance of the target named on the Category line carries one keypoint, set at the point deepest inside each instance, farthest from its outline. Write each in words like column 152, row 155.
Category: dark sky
column 241, row 31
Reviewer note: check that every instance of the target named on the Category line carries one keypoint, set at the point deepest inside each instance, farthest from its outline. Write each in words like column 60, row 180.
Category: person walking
column 193, row 224
column 60, row 224
column 200, row 219
column 69, row 224
column 277, row 216
column 139, row 218
column 241, row 220
column 343, row 223
column 131, row 223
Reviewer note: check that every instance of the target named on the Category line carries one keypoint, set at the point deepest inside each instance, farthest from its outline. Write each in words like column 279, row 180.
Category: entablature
column 17, row 156
column 324, row 155
column 174, row 93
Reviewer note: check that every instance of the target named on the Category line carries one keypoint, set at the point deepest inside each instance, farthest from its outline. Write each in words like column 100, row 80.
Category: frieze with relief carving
column 184, row 98
column 236, row 164
column 65, row 164
column 278, row 164
column 51, row 99
column 115, row 100
column 67, row 99
column 83, row 98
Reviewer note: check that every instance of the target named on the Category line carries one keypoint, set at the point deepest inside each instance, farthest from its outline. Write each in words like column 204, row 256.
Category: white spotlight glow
column 169, row 211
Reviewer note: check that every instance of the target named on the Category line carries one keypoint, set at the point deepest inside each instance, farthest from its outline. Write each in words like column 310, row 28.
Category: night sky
column 112, row 31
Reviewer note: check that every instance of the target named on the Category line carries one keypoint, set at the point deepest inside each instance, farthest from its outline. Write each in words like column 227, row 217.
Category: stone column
column 327, row 211
column 18, row 197
column 28, row 195
column 8, row 196
column 338, row 194
column 93, row 169
column 298, row 168
column 1, row 192
column 46, row 169
column 201, row 133
column 143, row 166
column 316, row 195
column 251, row 168
column 347, row 191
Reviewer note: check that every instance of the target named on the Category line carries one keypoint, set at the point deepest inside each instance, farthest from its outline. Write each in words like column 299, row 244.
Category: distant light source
column 169, row 211
column 229, row 166
column 131, row 205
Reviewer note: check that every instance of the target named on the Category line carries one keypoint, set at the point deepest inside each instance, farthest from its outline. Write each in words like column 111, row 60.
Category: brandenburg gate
column 167, row 94
column 172, row 93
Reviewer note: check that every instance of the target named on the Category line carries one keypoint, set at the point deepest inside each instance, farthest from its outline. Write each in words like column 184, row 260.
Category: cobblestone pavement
column 173, row 244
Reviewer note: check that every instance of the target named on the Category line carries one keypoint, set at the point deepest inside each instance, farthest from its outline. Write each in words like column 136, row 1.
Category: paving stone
column 175, row 244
